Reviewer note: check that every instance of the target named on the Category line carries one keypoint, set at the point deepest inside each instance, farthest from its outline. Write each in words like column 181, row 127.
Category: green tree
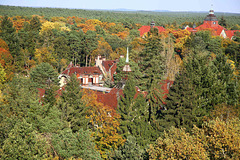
column 119, row 77
column 2, row 76
column 133, row 110
column 9, row 35
column 35, row 24
column 202, row 84
column 44, row 75
column 223, row 22
column 24, row 142
column 91, row 43
column 73, row 110
column 130, row 150
column 152, row 68
column 76, row 44
column 74, row 145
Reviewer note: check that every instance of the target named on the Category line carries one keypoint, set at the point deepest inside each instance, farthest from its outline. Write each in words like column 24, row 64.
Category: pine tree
column 9, row 35
column 152, row 68
column 72, row 107
column 24, row 142
column 202, row 84
column 134, row 114
column 119, row 77
column 74, row 145
column 130, row 150
column 44, row 75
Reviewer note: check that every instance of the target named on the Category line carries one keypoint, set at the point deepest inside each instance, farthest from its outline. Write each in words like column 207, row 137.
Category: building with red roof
column 90, row 75
column 145, row 29
column 211, row 23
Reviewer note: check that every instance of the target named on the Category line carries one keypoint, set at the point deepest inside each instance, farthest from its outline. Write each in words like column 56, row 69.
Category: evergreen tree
column 24, row 143
column 223, row 22
column 152, row 68
column 44, row 75
column 202, row 84
column 21, row 94
column 130, row 150
column 225, row 74
column 134, row 115
column 9, row 35
column 72, row 107
column 74, row 145
column 119, row 77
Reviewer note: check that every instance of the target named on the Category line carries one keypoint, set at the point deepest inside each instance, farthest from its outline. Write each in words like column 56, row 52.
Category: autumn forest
column 179, row 101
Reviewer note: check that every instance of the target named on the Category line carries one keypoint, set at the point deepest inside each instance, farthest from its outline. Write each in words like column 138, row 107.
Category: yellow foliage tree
column 217, row 139
column 104, row 123
column 45, row 54
column 177, row 144
column 103, row 49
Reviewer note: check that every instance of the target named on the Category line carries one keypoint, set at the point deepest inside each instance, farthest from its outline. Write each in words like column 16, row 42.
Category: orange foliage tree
column 105, row 124
column 18, row 22
column 103, row 49
column 6, row 61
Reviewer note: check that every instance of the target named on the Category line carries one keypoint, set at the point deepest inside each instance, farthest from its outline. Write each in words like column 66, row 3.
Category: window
column 214, row 22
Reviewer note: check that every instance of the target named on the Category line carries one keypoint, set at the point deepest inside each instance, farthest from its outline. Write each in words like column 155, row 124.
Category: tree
column 2, row 76
column 9, row 35
column 177, row 144
column 216, row 139
column 76, row 44
column 134, row 114
column 20, row 95
column 6, row 61
column 119, row 77
column 152, row 69
column 46, row 55
column 222, row 138
column 130, row 150
column 223, row 22
column 103, row 49
column 202, row 84
column 35, row 24
column 24, row 143
column 104, row 123
column 74, row 145
column 73, row 109
column 44, row 75
column 91, row 43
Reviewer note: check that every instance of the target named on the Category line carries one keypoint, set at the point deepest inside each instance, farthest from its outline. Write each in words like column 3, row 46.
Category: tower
column 127, row 68
column 211, row 19
column 152, row 24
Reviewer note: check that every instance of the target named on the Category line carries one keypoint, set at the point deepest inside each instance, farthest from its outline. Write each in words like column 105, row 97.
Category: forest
column 197, row 119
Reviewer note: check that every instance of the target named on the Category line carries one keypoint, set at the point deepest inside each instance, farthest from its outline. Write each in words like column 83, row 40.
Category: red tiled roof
column 145, row 29
column 218, row 29
column 230, row 33
column 41, row 92
column 165, row 88
column 107, row 64
column 82, row 70
column 109, row 99
column 191, row 29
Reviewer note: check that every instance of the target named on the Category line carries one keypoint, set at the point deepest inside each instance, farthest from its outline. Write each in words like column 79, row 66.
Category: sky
column 232, row 6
